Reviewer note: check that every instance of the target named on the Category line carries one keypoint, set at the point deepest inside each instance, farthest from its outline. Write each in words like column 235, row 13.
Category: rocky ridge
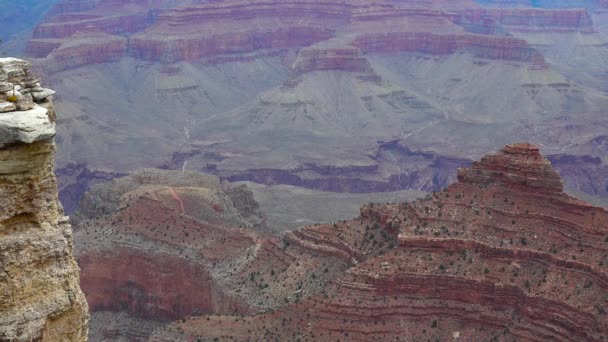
column 503, row 254
column 41, row 298
column 195, row 236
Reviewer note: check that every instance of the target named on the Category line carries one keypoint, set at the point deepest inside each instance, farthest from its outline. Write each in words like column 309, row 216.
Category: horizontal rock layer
column 159, row 31
column 501, row 254
column 41, row 298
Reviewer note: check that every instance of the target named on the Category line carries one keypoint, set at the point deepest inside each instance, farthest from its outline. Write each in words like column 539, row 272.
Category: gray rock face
column 7, row 107
column 22, row 120
column 25, row 126
column 13, row 67
column 5, row 86
column 43, row 94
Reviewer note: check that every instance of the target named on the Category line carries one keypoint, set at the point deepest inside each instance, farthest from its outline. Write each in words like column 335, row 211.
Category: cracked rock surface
column 40, row 296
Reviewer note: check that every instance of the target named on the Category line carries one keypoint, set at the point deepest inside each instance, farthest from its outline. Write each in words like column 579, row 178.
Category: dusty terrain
column 502, row 254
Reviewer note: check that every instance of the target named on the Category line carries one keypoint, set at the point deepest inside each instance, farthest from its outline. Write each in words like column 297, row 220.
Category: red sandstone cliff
column 503, row 254
column 160, row 31
column 160, row 246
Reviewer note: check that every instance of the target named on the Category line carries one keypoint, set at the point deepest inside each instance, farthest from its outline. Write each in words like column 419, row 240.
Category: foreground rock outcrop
column 40, row 297
column 501, row 255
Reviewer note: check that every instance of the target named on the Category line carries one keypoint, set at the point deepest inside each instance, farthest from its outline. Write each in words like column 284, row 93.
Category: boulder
column 42, row 95
column 25, row 126
column 7, row 107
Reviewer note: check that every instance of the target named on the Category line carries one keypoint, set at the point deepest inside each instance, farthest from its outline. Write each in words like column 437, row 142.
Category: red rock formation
column 151, row 251
column 483, row 46
column 159, row 31
column 501, row 254
column 84, row 48
column 518, row 166
column 190, row 33
column 88, row 32
column 158, row 248
column 152, row 285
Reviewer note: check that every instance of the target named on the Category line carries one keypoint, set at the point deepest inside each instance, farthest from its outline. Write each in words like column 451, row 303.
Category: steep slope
column 41, row 298
column 503, row 255
column 148, row 245
column 322, row 84
column 158, row 246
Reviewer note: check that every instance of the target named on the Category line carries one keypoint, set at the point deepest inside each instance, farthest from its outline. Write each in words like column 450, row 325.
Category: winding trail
column 181, row 203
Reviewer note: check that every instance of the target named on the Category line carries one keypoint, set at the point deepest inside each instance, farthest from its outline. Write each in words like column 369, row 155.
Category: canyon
column 195, row 138
column 326, row 89
column 501, row 254
column 41, row 298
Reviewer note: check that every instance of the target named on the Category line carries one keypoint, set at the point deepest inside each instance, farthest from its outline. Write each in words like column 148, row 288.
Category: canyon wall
column 320, row 72
column 159, row 31
column 39, row 277
column 502, row 254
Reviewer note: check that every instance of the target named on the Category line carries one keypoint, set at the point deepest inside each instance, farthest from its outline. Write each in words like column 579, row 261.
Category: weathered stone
column 42, row 95
column 7, row 107
column 25, row 127
column 517, row 165
column 30, row 81
column 24, row 104
column 503, row 247
column 5, row 86
column 13, row 67
column 14, row 92
column 40, row 297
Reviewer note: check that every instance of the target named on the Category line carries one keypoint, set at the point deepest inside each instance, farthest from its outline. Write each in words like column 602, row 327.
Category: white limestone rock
column 7, row 107
column 13, row 67
column 25, row 126
column 5, row 86
column 42, row 95
column 25, row 103
column 15, row 92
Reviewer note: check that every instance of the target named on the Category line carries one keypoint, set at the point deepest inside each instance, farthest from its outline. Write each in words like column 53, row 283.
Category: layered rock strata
column 41, row 298
column 161, row 31
column 158, row 246
column 503, row 254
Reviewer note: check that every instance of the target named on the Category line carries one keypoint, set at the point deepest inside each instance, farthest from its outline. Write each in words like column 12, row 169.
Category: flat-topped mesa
column 40, row 298
column 518, row 166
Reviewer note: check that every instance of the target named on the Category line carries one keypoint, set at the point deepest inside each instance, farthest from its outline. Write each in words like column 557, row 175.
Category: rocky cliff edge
column 40, row 296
